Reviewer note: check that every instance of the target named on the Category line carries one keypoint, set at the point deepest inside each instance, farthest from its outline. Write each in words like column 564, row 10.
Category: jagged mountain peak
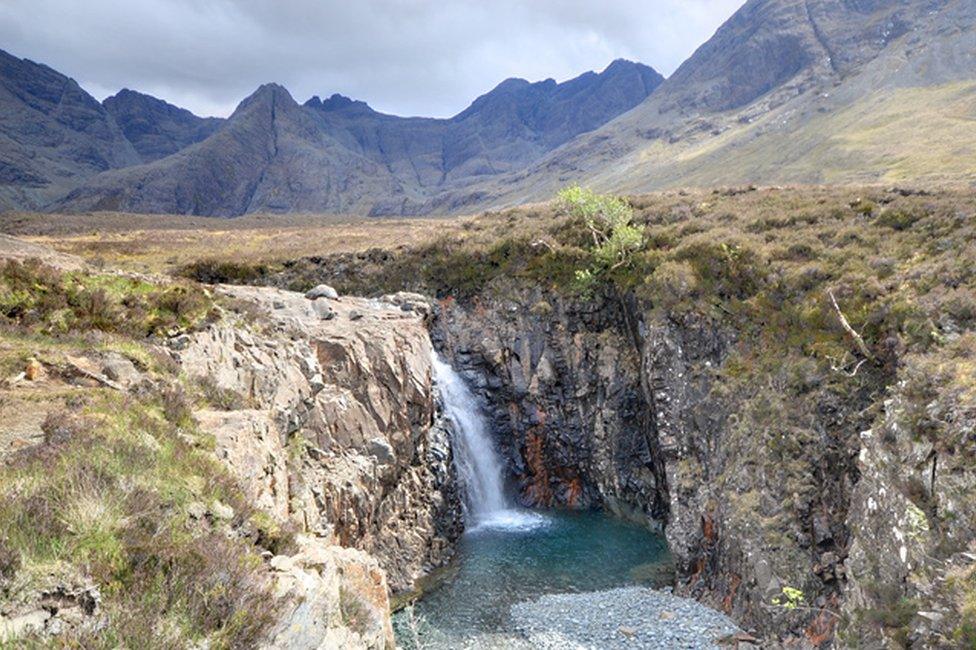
column 155, row 127
column 337, row 102
column 768, row 44
column 268, row 95
column 52, row 134
column 633, row 81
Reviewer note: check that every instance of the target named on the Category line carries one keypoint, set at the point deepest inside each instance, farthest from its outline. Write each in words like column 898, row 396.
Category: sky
column 405, row 57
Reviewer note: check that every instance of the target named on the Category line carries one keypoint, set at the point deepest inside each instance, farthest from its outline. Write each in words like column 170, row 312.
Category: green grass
column 104, row 499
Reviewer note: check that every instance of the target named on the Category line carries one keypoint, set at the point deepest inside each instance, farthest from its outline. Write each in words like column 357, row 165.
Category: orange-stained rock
column 34, row 370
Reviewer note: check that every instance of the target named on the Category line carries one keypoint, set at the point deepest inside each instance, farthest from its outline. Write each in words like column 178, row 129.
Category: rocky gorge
column 812, row 477
column 780, row 382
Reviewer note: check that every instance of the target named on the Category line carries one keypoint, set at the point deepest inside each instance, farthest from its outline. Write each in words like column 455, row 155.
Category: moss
column 355, row 615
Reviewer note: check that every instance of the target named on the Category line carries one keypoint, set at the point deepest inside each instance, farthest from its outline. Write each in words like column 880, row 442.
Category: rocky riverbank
column 621, row 619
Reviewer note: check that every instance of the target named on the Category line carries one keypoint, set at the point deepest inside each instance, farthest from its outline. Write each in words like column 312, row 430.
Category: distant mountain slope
column 339, row 155
column 789, row 91
column 52, row 134
column 269, row 154
column 155, row 128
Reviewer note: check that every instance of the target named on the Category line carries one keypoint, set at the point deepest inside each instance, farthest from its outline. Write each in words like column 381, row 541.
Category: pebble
column 626, row 618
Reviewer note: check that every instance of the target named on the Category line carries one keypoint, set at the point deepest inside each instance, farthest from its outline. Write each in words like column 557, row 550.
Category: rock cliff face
column 325, row 412
column 913, row 516
column 156, row 128
column 611, row 403
column 563, row 385
column 331, row 422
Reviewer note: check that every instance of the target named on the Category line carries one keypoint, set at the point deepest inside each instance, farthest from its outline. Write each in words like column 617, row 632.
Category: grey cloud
column 416, row 57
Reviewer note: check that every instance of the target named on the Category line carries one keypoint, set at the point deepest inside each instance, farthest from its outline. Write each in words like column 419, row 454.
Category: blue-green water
column 528, row 555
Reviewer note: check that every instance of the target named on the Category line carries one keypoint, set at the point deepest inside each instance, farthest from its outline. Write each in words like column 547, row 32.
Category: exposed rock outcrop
column 562, row 381
column 611, row 403
column 336, row 598
column 913, row 512
column 332, row 424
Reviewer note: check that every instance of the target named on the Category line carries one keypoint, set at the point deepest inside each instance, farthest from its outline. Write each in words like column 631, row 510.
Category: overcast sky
column 407, row 57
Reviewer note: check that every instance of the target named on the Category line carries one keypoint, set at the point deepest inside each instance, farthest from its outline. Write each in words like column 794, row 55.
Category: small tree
column 609, row 220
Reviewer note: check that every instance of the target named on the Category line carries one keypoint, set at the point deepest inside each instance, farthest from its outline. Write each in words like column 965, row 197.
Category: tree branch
column 858, row 341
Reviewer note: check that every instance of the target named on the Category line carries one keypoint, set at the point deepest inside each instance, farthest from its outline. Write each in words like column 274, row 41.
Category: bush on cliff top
column 39, row 298
column 609, row 222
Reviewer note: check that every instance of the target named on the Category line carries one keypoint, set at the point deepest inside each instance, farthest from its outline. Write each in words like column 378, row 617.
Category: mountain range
column 61, row 149
column 786, row 91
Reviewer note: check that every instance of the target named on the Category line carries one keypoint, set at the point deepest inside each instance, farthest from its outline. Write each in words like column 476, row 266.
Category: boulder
column 323, row 310
column 119, row 369
column 322, row 291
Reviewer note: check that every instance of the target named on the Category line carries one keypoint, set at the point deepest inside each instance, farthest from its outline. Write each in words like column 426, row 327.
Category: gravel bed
column 630, row 617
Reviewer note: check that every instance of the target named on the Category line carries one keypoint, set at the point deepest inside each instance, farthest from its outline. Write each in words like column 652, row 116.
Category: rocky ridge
column 52, row 134
column 156, row 128
column 274, row 155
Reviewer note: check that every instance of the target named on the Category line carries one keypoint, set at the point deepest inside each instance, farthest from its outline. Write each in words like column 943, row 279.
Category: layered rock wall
column 612, row 403
column 324, row 409
column 561, row 382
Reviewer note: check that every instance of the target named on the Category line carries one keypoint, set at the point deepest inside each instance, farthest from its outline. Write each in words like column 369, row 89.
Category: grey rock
column 322, row 291
column 323, row 309
column 221, row 511
column 197, row 510
column 120, row 369
column 180, row 342
column 382, row 451
column 12, row 629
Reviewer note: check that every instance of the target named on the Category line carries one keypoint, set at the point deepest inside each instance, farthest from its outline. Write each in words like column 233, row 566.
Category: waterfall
column 479, row 468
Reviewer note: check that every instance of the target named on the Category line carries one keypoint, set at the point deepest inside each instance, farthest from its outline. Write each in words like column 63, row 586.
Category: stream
column 498, row 566
column 510, row 555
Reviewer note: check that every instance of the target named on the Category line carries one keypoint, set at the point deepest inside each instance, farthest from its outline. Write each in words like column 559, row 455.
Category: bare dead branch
column 543, row 243
column 858, row 341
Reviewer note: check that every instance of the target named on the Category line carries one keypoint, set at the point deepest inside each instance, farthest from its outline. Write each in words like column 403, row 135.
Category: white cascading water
column 478, row 466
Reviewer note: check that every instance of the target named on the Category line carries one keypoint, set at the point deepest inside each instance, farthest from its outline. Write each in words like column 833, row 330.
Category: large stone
column 120, row 369
column 331, row 598
column 322, row 291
